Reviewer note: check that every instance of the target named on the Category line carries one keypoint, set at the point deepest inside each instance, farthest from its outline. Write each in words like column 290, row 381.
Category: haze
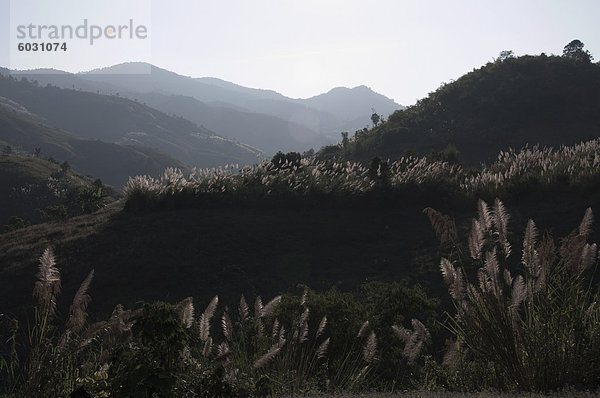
column 402, row 49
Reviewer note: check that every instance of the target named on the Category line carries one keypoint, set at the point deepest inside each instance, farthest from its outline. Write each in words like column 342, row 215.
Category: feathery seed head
column 485, row 216
column 48, row 283
column 271, row 306
column 204, row 322
column 243, row 310
column 269, row 355
column 530, row 257
column 322, row 350
column 226, row 326
column 586, row 223
column 492, row 270
column 363, row 329
column 476, row 239
column 185, row 310
column 500, row 220
column 321, row 327
column 258, row 308
column 370, row 349
column 442, row 225
column 78, row 307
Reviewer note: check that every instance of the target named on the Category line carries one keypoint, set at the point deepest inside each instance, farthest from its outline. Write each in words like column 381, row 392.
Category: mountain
column 110, row 162
column 353, row 106
column 268, row 133
column 326, row 114
column 120, row 120
column 263, row 119
column 259, row 130
column 530, row 100
column 215, row 91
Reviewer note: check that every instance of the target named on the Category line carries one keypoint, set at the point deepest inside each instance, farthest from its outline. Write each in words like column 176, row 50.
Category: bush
column 55, row 213
column 535, row 322
column 15, row 223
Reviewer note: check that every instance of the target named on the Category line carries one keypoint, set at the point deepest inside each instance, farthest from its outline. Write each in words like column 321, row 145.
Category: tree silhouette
column 575, row 50
column 344, row 139
column 375, row 118
column 506, row 54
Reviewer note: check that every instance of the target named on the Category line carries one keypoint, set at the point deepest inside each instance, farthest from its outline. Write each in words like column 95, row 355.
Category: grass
column 288, row 179
column 189, row 247
column 532, row 319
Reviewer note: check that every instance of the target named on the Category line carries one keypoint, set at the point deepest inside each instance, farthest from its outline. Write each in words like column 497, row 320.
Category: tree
column 7, row 150
column 375, row 118
column 344, row 139
column 308, row 154
column 90, row 199
column 505, row 54
column 65, row 167
column 15, row 223
column 55, row 213
column 575, row 51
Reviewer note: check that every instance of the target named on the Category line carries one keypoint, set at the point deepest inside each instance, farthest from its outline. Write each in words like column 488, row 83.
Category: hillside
column 360, row 238
column 267, row 229
column 263, row 119
column 323, row 115
column 529, row 100
column 332, row 110
column 120, row 120
column 112, row 163
column 33, row 187
column 265, row 132
column 234, row 250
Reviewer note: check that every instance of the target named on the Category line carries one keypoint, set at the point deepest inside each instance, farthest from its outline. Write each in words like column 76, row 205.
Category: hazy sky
column 402, row 49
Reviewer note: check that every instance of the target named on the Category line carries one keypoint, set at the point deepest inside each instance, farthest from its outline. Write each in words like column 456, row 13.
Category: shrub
column 535, row 322
column 15, row 223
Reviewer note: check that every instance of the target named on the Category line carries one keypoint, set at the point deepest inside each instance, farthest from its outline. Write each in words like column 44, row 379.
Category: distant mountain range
column 108, row 136
column 110, row 162
column 263, row 119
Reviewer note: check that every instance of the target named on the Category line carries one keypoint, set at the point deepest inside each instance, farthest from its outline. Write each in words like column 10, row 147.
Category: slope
column 324, row 114
column 30, row 185
column 119, row 120
column 110, row 162
column 543, row 100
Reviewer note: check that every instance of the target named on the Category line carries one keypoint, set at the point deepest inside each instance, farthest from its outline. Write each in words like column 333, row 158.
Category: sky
column 403, row 49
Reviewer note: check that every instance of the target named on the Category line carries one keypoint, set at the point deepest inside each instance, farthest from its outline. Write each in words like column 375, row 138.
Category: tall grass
column 48, row 367
column 529, row 169
column 169, row 350
column 533, row 317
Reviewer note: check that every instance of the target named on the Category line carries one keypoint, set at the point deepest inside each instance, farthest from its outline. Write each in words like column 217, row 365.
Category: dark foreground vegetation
column 517, row 313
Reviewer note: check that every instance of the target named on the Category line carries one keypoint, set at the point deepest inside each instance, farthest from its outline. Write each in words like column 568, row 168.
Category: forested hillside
column 509, row 103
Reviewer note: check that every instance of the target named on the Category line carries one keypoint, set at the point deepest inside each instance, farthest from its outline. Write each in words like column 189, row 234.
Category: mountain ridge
column 120, row 120
column 290, row 124
column 87, row 156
